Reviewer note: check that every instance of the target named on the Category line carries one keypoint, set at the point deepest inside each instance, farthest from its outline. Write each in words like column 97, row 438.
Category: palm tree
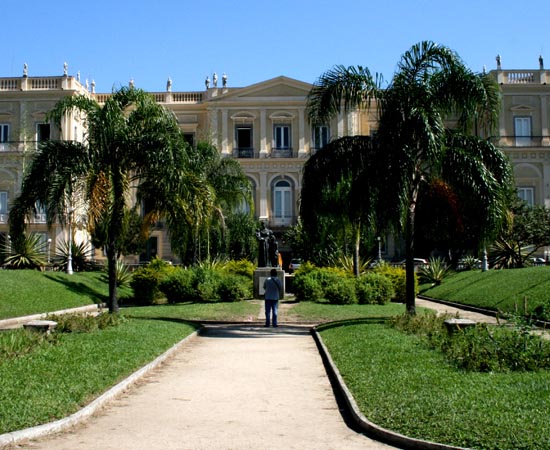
column 431, row 89
column 218, row 187
column 338, row 184
column 131, row 142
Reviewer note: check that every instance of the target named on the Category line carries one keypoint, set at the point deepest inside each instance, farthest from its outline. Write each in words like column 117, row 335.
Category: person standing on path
column 272, row 288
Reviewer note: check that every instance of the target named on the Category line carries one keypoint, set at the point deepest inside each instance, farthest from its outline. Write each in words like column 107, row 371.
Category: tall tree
column 431, row 91
column 131, row 142
column 338, row 183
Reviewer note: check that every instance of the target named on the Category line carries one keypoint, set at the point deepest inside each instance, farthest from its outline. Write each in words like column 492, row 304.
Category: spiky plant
column 26, row 252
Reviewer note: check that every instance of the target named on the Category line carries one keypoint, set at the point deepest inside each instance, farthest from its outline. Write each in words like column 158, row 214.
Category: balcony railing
column 244, row 152
column 281, row 153
column 40, row 84
column 523, row 76
column 189, row 98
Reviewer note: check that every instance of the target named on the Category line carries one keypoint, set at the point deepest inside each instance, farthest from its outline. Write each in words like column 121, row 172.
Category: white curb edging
column 67, row 422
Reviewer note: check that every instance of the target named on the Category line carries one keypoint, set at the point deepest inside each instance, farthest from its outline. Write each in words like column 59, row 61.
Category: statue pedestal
column 260, row 275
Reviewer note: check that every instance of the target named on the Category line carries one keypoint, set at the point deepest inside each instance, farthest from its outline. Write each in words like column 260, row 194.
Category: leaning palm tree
column 431, row 89
column 131, row 141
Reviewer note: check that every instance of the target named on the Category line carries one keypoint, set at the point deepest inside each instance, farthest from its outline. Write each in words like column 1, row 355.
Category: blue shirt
column 273, row 288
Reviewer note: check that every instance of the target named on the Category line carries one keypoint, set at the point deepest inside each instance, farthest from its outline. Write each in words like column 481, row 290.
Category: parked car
column 417, row 262
column 295, row 264
column 538, row 261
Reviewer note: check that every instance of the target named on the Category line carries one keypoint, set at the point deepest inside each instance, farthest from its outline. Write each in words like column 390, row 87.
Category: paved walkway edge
column 356, row 416
column 15, row 437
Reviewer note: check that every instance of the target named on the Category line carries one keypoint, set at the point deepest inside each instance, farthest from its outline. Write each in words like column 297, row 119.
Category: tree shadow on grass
column 80, row 288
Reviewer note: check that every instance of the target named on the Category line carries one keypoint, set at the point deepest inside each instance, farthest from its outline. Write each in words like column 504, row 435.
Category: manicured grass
column 500, row 290
column 238, row 311
column 325, row 312
column 31, row 292
column 55, row 380
column 402, row 385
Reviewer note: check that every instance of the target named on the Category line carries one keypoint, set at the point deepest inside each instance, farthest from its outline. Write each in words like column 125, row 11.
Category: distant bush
column 146, row 281
column 374, row 288
column 241, row 267
column 233, row 288
column 483, row 348
column 178, row 286
column 315, row 283
column 341, row 291
column 398, row 277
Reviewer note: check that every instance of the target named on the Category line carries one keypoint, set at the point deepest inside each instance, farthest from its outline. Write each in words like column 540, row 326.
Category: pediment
column 521, row 108
column 276, row 88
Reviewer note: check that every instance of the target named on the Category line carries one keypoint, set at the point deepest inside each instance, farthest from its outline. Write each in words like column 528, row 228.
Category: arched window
column 282, row 203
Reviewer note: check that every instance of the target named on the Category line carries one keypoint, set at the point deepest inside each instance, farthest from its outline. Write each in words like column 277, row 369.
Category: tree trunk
column 356, row 249
column 410, row 294
column 115, row 226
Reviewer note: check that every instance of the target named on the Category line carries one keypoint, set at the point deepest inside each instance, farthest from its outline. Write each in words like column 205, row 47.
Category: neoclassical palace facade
column 266, row 128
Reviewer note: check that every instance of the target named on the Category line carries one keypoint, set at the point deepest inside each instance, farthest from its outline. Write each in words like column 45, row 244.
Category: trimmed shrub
column 241, row 267
column 374, row 289
column 398, row 277
column 146, row 281
column 178, row 286
column 306, row 287
column 341, row 291
column 233, row 288
column 206, row 283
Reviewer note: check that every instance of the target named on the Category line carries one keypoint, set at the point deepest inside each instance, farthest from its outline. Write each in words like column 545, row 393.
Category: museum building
column 266, row 128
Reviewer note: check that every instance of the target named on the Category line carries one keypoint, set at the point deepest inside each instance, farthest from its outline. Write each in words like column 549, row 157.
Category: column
column 341, row 125
column 302, row 151
column 225, row 143
column 263, row 212
column 214, row 127
column 546, row 184
column 263, row 134
column 544, row 120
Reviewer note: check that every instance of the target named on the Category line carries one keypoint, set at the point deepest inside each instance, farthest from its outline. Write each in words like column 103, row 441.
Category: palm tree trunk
column 112, row 248
column 410, row 294
column 356, row 248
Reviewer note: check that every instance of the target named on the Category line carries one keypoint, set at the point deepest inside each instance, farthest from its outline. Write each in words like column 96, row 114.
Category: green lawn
column 56, row 380
column 402, row 385
column 31, row 292
column 500, row 290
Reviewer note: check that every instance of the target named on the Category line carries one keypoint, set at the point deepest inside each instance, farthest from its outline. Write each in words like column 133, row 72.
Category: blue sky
column 186, row 40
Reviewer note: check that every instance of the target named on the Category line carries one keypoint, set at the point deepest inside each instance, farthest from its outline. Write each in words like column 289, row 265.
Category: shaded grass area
column 235, row 311
column 56, row 379
column 27, row 292
column 400, row 384
column 500, row 290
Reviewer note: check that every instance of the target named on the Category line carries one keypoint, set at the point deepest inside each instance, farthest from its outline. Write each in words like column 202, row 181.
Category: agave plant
column 26, row 252
column 81, row 256
column 345, row 262
column 435, row 271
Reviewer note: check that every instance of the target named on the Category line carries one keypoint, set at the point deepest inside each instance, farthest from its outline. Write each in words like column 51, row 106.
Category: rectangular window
column 282, row 137
column 522, row 130
column 40, row 214
column 189, row 138
column 243, row 141
column 3, row 206
column 527, row 194
column 4, row 132
column 320, row 136
column 42, row 132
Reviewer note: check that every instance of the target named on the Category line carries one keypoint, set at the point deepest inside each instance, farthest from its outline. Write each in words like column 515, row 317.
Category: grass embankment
column 499, row 290
column 402, row 385
column 56, row 379
column 27, row 292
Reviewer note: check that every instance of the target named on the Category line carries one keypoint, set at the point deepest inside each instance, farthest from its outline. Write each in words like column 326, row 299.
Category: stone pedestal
column 260, row 275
